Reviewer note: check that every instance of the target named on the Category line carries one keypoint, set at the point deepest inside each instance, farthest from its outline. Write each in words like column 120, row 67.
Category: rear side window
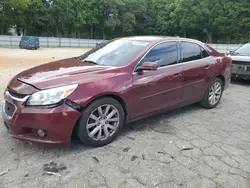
column 163, row 54
column 190, row 51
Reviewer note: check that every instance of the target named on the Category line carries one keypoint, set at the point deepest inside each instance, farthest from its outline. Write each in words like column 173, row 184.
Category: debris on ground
column 96, row 159
column 133, row 158
column 53, row 173
column 53, row 168
column 186, row 149
column 126, row 149
column 4, row 172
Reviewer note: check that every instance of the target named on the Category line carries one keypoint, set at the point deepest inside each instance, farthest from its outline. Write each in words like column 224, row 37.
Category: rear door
column 196, row 64
column 32, row 42
column 161, row 88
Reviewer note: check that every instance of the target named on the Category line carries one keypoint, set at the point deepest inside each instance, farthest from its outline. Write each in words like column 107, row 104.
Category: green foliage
column 225, row 21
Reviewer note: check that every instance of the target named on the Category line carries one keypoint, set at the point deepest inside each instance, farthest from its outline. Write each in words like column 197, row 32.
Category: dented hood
column 63, row 72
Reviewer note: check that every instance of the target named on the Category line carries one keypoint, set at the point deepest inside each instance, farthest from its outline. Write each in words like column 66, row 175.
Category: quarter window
column 163, row 54
column 190, row 51
column 204, row 53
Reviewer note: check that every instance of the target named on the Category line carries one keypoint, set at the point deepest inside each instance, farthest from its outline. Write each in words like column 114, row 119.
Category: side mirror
column 230, row 52
column 148, row 66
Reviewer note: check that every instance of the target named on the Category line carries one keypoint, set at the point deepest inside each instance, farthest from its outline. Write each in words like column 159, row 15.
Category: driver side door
column 159, row 89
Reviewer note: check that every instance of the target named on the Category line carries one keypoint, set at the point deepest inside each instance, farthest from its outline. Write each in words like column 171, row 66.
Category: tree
column 207, row 20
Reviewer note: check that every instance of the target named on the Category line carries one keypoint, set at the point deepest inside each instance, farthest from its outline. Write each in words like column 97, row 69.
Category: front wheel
column 213, row 94
column 101, row 122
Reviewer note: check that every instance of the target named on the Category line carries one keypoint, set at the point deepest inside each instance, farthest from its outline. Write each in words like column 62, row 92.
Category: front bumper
column 58, row 123
column 241, row 70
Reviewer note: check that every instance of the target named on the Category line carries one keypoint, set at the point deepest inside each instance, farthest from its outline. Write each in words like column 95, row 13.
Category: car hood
column 240, row 58
column 64, row 72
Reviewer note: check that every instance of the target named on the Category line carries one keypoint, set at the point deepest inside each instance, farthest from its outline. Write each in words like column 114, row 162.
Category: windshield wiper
column 90, row 61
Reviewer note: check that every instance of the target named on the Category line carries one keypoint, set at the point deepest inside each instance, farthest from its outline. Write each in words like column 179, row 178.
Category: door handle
column 207, row 67
column 177, row 75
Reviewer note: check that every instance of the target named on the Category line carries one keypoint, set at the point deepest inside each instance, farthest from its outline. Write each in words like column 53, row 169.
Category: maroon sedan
column 119, row 81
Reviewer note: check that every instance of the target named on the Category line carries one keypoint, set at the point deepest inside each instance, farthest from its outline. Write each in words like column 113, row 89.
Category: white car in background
column 241, row 62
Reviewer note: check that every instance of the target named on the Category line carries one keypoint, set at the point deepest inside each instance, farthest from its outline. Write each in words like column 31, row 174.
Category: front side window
column 190, row 51
column 163, row 54
column 115, row 53
column 25, row 38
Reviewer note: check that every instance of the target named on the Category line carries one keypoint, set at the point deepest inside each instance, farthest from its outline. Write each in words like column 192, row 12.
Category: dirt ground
column 21, row 59
column 190, row 147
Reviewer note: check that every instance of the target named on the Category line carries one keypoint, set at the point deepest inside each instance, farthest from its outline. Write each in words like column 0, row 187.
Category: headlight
column 50, row 96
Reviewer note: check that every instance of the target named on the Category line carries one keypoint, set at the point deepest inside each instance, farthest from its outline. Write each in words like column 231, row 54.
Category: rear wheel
column 213, row 94
column 101, row 122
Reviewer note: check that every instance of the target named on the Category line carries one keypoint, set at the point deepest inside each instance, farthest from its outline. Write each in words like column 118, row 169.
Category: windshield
column 25, row 38
column 115, row 53
column 244, row 50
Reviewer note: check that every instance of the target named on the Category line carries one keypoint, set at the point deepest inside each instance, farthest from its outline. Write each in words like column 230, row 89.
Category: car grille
column 17, row 95
column 9, row 109
column 241, row 62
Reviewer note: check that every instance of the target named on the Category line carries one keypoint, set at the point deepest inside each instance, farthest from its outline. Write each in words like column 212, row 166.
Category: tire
column 206, row 103
column 91, row 121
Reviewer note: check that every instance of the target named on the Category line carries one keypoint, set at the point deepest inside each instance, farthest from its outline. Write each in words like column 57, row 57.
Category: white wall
column 6, row 40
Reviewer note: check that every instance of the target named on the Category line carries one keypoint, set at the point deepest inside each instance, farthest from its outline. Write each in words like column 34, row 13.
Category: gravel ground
column 190, row 147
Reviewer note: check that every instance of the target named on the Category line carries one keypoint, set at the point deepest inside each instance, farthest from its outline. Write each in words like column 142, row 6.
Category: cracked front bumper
column 58, row 122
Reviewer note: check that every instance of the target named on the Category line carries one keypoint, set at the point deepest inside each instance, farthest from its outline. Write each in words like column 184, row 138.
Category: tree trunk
column 91, row 31
column 185, row 33
column 103, row 33
column 46, row 30
column 210, row 37
column 18, row 31
column 72, row 34
column 122, row 31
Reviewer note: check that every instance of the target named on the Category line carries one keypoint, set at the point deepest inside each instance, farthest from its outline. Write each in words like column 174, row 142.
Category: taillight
column 219, row 59
column 227, row 61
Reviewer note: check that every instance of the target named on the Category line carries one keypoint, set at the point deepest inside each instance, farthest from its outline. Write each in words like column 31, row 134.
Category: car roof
column 159, row 38
column 30, row 37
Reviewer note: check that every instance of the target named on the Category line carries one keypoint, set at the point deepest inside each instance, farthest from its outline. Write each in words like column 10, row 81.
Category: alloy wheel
column 215, row 93
column 103, row 122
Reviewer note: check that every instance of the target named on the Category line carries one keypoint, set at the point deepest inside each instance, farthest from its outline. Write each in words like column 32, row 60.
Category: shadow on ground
column 150, row 123
column 241, row 82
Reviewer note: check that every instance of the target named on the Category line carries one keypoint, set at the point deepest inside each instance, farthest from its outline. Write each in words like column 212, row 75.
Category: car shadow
column 152, row 121
column 239, row 81
column 141, row 125
column 155, row 120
